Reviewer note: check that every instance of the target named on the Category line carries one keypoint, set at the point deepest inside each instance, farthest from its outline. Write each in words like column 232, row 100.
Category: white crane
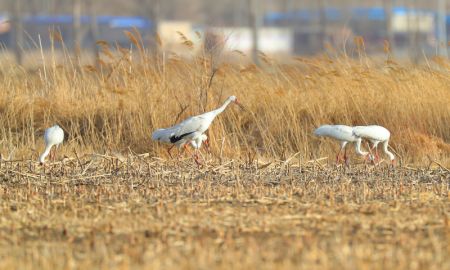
column 53, row 136
column 191, row 128
column 375, row 134
column 344, row 134
column 165, row 135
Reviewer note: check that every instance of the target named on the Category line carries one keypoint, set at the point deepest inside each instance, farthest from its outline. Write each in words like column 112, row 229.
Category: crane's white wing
column 180, row 133
column 373, row 132
column 53, row 135
column 193, row 124
column 47, row 133
column 338, row 132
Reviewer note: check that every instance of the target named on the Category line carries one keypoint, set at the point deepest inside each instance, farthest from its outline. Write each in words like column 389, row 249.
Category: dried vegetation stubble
column 103, row 212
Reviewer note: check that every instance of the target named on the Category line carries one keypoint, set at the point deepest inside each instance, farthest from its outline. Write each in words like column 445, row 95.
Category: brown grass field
column 98, row 212
column 269, row 196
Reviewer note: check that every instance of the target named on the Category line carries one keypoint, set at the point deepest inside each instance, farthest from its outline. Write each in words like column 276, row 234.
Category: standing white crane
column 191, row 128
column 344, row 134
column 375, row 134
column 53, row 136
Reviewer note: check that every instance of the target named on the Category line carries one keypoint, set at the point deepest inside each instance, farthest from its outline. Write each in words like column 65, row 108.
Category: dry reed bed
column 115, row 105
column 101, row 211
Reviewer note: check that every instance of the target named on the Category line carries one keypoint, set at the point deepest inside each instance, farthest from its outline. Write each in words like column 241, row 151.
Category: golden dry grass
column 116, row 105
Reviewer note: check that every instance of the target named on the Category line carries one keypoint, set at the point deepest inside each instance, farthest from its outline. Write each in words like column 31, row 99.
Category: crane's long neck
column 358, row 148
column 221, row 108
column 48, row 147
column 385, row 149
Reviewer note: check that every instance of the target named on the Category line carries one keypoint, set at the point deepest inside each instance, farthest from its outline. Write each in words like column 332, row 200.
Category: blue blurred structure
column 310, row 29
column 368, row 22
column 110, row 29
column 306, row 15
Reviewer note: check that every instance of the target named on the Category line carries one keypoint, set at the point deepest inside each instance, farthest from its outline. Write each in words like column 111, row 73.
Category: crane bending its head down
column 342, row 133
column 52, row 136
column 193, row 127
column 375, row 134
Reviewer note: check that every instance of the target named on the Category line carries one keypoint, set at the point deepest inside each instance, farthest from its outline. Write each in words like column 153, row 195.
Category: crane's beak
column 240, row 105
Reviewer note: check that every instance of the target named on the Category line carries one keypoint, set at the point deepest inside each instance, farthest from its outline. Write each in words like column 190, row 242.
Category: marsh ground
column 139, row 212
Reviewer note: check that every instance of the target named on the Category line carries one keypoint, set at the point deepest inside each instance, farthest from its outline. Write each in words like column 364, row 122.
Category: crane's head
column 232, row 98
column 235, row 100
column 391, row 157
column 393, row 163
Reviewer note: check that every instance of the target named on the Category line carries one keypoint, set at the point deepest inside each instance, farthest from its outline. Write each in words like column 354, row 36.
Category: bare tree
column 18, row 30
column 93, row 30
column 322, row 24
column 388, row 20
column 255, row 24
column 155, row 11
column 76, row 29
column 442, row 31
column 413, row 23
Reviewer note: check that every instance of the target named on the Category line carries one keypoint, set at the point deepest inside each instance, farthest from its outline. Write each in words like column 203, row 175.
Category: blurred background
column 407, row 29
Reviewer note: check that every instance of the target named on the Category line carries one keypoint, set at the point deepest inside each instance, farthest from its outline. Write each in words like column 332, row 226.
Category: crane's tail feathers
column 319, row 131
column 161, row 134
column 325, row 130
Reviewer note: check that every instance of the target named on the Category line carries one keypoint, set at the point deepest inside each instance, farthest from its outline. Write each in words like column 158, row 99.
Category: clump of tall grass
column 116, row 103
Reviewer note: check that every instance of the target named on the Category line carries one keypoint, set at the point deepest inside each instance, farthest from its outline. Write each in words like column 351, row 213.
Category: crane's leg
column 208, row 149
column 181, row 151
column 346, row 160
column 338, row 156
column 199, row 153
column 56, row 151
column 169, row 149
column 185, row 149
column 52, row 154
column 377, row 157
column 196, row 158
column 369, row 157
